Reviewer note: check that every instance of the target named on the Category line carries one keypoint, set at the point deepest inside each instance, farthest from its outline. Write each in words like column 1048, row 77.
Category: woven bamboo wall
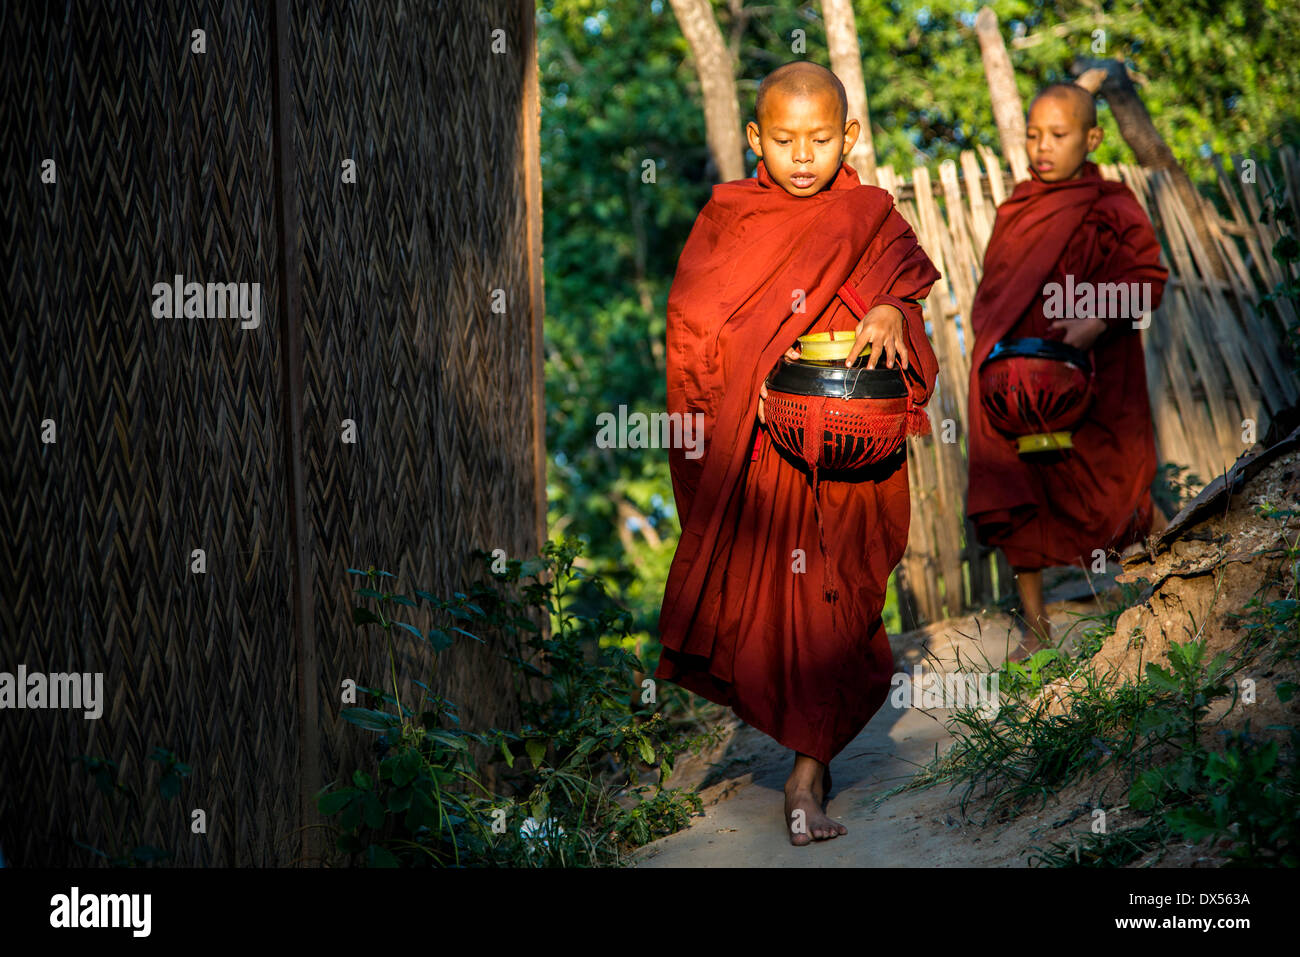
column 1198, row 406
column 176, row 434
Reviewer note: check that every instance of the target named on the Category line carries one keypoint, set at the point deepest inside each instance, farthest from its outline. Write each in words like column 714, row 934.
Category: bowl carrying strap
column 918, row 421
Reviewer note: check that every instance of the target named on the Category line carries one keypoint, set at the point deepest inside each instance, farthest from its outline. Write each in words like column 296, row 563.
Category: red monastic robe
column 1057, row 510
column 745, row 621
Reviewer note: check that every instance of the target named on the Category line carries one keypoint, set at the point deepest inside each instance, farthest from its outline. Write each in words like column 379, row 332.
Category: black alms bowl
column 835, row 380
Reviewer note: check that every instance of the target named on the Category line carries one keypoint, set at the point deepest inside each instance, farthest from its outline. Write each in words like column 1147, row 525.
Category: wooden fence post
column 1008, row 110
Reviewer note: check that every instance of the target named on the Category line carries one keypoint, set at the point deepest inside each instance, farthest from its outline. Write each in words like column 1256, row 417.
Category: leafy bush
column 575, row 764
column 123, row 808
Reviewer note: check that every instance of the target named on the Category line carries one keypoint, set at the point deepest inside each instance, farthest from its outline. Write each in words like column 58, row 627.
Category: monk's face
column 1058, row 138
column 800, row 140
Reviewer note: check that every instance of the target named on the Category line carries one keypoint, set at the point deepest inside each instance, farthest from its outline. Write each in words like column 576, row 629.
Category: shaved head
column 1060, row 131
column 1080, row 100
column 801, row 78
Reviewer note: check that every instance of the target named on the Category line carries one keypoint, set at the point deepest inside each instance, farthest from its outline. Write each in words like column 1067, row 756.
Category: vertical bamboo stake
column 846, row 63
column 1008, row 110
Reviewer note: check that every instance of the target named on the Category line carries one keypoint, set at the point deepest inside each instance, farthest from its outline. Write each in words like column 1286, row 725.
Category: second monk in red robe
column 1066, row 230
column 803, row 247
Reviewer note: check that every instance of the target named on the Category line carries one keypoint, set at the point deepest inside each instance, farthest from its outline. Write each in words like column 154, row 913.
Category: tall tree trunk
column 717, row 75
column 1111, row 80
column 846, row 63
column 1008, row 110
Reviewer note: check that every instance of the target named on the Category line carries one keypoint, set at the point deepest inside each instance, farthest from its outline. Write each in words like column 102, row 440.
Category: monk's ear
column 851, row 130
column 1094, row 137
column 755, row 141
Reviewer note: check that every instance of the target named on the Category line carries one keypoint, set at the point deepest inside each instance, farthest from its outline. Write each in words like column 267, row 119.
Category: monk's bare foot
column 806, row 791
column 1030, row 642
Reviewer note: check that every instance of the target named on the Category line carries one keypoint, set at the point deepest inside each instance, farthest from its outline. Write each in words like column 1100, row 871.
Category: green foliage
column 1248, row 798
column 1028, row 751
column 123, row 809
column 1274, row 624
column 574, row 765
column 1103, row 850
column 1243, row 796
column 1183, row 693
column 1286, row 252
column 611, row 245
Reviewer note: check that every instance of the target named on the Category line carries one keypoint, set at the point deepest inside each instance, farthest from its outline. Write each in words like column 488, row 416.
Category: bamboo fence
column 1217, row 366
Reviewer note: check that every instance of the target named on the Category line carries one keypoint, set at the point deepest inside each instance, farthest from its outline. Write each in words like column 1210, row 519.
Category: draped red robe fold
column 744, row 621
column 1056, row 511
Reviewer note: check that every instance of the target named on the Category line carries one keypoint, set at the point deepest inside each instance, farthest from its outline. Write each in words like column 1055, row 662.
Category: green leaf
column 1145, row 790
column 422, row 812
column 380, row 856
column 647, row 752
column 331, row 802
column 448, row 740
column 1161, row 678
column 147, row 854
column 169, row 786
column 536, row 749
column 373, row 810
column 398, row 770
column 370, row 719
column 411, row 628
column 364, row 616
column 531, row 567
column 505, row 753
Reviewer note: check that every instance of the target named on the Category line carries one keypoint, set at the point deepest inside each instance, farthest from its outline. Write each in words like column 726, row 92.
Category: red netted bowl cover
column 832, row 433
column 1025, row 395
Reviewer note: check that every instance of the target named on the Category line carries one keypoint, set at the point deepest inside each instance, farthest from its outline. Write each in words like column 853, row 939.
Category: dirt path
column 743, row 825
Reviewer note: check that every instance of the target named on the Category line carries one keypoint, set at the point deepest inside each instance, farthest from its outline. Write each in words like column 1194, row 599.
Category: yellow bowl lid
column 824, row 346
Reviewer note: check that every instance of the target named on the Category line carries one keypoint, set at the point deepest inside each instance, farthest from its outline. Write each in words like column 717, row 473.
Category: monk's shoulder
column 877, row 194
column 1118, row 207
column 876, row 208
column 874, row 197
column 716, row 220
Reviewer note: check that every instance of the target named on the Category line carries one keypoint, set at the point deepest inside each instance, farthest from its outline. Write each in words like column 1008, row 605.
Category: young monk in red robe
column 803, row 247
column 1065, row 225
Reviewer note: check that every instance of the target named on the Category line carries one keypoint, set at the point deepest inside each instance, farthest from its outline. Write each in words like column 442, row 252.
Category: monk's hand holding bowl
column 1080, row 333
column 882, row 329
column 792, row 353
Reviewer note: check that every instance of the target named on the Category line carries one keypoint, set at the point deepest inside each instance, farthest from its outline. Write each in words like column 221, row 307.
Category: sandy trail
column 743, row 824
